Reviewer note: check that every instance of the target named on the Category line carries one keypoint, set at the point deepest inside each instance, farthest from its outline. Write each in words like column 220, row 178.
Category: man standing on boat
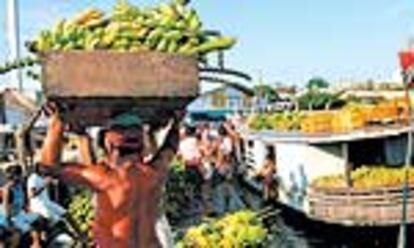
column 128, row 183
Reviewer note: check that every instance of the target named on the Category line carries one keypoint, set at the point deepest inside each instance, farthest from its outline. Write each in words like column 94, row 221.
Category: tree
column 317, row 83
column 266, row 92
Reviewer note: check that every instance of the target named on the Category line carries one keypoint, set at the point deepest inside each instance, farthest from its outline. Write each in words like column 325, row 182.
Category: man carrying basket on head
column 127, row 183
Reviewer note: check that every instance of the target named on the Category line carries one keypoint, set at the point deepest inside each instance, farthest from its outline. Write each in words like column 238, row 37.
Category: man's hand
column 51, row 110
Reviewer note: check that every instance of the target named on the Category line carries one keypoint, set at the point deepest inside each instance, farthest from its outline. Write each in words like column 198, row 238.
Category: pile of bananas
column 81, row 211
column 169, row 27
column 367, row 177
column 286, row 121
column 239, row 229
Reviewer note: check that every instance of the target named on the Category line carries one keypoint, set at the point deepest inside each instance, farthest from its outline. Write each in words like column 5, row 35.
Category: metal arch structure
column 221, row 74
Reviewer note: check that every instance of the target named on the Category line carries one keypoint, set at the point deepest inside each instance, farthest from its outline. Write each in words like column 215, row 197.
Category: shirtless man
column 128, row 186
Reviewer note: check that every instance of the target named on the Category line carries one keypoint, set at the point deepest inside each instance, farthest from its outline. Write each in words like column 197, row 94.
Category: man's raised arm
column 169, row 147
column 52, row 145
column 92, row 176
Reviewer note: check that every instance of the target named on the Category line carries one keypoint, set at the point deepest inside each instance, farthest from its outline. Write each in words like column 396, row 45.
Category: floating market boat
column 301, row 158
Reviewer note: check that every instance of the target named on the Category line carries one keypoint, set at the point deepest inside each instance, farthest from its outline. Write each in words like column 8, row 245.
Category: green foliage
column 266, row 91
column 315, row 100
column 317, row 83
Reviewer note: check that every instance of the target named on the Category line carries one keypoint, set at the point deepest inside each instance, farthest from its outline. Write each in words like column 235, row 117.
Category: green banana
column 153, row 37
column 174, row 35
column 172, row 47
column 194, row 22
column 219, row 43
column 187, row 49
column 162, row 45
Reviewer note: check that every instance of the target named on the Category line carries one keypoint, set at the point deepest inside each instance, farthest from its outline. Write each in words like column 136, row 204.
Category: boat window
column 366, row 152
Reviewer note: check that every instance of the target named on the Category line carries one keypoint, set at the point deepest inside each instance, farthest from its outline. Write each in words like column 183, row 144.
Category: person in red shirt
column 127, row 187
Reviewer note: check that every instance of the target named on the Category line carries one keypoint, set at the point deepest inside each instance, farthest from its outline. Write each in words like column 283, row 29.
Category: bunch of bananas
column 81, row 211
column 170, row 27
column 367, row 177
column 285, row 121
column 240, row 229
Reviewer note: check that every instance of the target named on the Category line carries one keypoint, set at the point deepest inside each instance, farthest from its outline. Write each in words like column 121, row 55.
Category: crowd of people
column 211, row 154
column 210, row 161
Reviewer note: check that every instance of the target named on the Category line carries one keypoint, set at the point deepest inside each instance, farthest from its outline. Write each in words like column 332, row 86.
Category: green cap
column 126, row 119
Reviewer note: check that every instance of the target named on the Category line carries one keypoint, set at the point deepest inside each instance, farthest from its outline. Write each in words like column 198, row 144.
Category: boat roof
column 371, row 132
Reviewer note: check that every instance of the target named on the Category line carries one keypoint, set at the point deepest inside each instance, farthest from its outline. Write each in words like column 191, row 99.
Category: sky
column 278, row 41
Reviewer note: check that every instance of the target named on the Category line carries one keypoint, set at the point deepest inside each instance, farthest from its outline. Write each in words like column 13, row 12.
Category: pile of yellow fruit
column 172, row 27
column 286, row 121
column 367, row 177
column 350, row 117
column 240, row 229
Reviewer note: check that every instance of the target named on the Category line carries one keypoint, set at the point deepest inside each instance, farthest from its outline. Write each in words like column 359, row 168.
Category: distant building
column 218, row 103
column 223, row 98
column 286, row 93
column 16, row 108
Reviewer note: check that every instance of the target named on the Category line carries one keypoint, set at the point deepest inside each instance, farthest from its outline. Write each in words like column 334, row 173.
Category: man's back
column 116, row 221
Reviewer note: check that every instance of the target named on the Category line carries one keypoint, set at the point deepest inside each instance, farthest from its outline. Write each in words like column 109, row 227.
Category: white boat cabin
column 301, row 158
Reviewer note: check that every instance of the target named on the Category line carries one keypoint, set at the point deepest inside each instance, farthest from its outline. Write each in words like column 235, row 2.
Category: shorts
column 48, row 210
column 24, row 221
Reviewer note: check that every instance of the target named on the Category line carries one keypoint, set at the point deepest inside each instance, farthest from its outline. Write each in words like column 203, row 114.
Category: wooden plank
column 361, row 215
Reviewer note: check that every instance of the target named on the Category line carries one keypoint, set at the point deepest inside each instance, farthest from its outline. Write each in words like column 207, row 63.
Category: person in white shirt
column 14, row 208
column 39, row 200
column 189, row 151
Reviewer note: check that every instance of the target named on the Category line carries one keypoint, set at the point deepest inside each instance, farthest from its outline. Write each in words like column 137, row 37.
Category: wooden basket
column 95, row 85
